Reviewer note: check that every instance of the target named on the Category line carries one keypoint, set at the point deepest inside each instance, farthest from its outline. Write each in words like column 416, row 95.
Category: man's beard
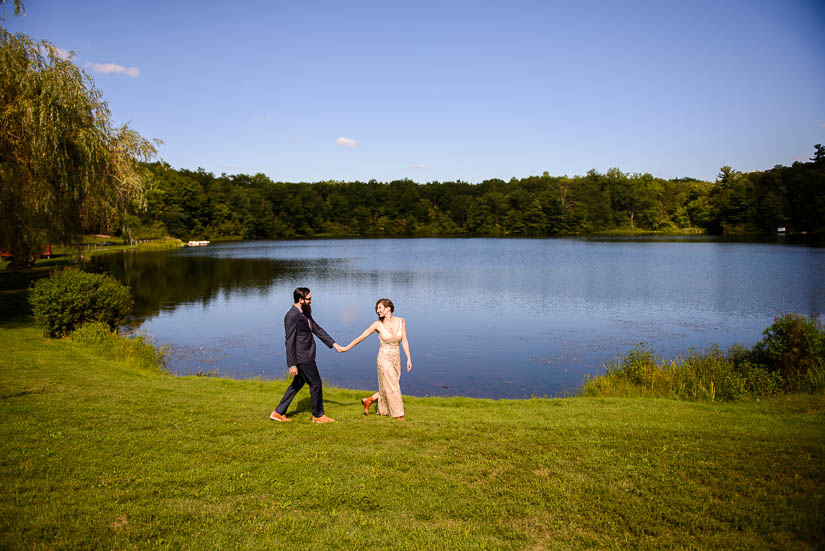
column 306, row 308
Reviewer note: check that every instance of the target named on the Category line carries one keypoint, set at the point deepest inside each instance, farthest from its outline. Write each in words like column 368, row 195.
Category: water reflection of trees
column 164, row 281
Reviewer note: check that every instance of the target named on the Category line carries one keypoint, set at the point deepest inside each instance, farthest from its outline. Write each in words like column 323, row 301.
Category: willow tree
column 64, row 168
column 18, row 9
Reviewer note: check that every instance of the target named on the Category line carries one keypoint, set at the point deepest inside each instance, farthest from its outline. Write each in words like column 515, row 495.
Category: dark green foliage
column 794, row 347
column 69, row 298
column 819, row 154
column 726, row 377
column 199, row 205
column 637, row 367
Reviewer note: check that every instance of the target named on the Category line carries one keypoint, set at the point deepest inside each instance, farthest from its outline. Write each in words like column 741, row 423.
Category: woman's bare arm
column 405, row 344
column 367, row 332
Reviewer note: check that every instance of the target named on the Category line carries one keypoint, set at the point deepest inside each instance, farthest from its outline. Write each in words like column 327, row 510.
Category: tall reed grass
column 136, row 352
column 790, row 357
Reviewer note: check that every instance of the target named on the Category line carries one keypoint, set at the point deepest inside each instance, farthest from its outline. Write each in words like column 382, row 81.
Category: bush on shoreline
column 789, row 358
column 794, row 347
column 69, row 298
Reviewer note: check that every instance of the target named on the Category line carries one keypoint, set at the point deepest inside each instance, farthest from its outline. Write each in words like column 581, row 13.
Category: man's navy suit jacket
column 300, row 344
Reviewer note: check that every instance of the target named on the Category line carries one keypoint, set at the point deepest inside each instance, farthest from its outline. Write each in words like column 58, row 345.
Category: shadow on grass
column 21, row 393
column 304, row 405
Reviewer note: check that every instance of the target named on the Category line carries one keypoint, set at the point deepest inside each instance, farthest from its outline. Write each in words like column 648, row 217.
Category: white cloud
column 59, row 52
column 108, row 68
column 346, row 142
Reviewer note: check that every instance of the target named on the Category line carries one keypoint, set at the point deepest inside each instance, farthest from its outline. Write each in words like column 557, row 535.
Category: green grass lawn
column 97, row 454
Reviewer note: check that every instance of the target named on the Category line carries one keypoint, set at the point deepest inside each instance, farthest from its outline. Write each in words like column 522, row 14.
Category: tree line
column 66, row 170
column 199, row 205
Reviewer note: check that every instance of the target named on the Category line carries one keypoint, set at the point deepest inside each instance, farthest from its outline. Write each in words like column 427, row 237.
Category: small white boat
column 198, row 243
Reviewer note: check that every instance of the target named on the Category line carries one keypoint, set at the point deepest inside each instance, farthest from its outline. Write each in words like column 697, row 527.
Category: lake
column 496, row 318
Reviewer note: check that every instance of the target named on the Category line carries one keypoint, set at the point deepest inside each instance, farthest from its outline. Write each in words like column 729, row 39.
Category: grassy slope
column 95, row 454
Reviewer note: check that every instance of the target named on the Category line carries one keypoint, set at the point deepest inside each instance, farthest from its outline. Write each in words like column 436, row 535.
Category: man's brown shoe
column 275, row 416
column 323, row 419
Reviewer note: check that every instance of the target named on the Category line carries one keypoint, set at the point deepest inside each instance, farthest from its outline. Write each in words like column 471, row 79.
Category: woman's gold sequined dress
column 389, row 372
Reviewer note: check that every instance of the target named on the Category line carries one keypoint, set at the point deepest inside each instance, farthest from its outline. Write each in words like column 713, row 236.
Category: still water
column 498, row 318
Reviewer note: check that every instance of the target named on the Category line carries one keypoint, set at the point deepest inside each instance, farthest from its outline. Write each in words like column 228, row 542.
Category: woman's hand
column 409, row 364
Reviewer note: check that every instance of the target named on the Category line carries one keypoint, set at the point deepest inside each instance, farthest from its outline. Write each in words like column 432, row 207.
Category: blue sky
column 438, row 91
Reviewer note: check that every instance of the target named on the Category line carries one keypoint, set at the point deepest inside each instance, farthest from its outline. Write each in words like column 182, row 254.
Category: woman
column 392, row 331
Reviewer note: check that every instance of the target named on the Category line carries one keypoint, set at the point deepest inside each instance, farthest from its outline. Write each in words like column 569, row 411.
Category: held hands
column 338, row 347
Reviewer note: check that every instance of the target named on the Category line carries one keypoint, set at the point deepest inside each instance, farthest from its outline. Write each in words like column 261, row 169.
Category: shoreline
column 63, row 255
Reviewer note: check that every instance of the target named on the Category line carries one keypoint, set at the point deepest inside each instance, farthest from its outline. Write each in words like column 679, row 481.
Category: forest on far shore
column 199, row 205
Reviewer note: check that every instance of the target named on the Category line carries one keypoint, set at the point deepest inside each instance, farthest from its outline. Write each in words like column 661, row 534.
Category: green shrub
column 106, row 343
column 715, row 375
column 93, row 334
column 638, row 366
column 794, row 347
column 759, row 382
column 69, row 298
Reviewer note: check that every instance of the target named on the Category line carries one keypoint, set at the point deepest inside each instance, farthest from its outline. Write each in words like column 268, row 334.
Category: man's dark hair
column 299, row 293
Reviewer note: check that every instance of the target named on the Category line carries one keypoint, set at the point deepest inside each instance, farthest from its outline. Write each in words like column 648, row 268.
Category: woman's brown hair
column 387, row 304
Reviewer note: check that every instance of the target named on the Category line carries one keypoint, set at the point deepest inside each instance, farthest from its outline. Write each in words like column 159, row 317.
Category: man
column 300, row 356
